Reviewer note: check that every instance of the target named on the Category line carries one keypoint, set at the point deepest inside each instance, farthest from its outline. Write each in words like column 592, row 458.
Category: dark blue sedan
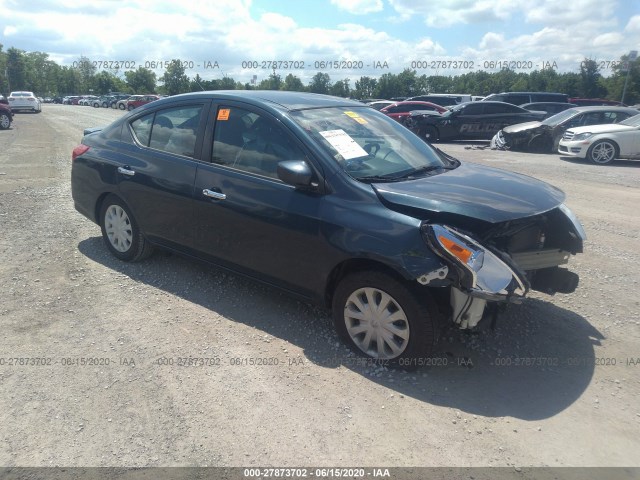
column 332, row 201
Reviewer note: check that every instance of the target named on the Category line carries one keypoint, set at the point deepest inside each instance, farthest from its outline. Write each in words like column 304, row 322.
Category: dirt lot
column 87, row 343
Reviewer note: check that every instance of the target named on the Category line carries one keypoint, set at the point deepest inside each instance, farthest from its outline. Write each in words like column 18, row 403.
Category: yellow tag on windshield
column 356, row 117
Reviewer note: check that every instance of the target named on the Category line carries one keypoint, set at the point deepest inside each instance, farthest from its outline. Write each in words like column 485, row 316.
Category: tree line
column 35, row 71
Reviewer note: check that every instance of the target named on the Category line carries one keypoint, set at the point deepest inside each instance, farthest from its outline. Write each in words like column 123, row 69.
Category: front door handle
column 126, row 171
column 215, row 195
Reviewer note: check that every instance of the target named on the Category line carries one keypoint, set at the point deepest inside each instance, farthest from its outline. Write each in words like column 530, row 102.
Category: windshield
column 632, row 121
column 368, row 145
column 558, row 118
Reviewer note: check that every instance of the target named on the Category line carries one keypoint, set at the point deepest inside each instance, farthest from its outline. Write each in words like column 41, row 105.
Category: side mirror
column 296, row 173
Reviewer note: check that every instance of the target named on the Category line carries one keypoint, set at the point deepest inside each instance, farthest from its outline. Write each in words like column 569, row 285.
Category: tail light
column 79, row 150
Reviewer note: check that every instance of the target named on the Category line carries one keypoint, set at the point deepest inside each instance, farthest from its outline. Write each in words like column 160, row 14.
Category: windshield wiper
column 407, row 174
column 379, row 178
column 425, row 169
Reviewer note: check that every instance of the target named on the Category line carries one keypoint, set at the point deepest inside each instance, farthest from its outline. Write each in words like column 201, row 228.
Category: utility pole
column 633, row 54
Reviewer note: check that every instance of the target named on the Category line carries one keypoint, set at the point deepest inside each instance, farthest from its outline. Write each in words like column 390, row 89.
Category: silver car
column 24, row 101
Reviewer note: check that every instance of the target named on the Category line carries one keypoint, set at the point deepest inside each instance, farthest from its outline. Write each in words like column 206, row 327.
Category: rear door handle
column 215, row 195
column 126, row 171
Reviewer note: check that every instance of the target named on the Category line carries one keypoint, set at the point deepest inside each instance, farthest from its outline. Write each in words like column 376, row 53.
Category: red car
column 141, row 100
column 400, row 111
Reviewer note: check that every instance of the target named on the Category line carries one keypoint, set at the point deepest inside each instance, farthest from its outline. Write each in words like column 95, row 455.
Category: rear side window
column 142, row 129
column 473, row 109
column 495, row 108
column 518, row 99
column 615, row 117
column 171, row 130
column 550, row 97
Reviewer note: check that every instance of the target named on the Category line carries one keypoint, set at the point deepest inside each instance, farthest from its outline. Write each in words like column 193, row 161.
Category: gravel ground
column 91, row 349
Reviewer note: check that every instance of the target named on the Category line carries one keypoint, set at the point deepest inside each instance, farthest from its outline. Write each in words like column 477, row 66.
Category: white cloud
column 429, row 47
column 606, row 39
column 359, row 7
column 446, row 14
column 574, row 15
column 633, row 25
column 492, row 40
column 279, row 22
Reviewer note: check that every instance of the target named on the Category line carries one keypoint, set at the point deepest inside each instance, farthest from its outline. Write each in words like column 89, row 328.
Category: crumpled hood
column 475, row 191
column 519, row 127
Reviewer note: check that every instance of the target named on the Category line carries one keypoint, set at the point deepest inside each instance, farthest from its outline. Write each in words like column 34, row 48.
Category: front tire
column 602, row 152
column 5, row 121
column 121, row 233
column 385, row 319
column 430, row 134
column 130, row 107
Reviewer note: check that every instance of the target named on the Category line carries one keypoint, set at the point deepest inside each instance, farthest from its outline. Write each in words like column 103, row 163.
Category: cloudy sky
column 218, row 37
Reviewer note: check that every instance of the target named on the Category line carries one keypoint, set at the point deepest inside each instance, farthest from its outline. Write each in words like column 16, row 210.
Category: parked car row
column 545, row 136
column 121, row 101
column 539, row 124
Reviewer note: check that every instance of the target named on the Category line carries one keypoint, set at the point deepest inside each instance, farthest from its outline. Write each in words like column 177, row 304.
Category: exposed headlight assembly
column 577, row 226
column 481, row 272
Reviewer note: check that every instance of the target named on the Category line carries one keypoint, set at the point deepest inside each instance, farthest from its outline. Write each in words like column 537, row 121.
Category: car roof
column 548, row 103
column 597, row 108
column 487, row 102
column 282, row 100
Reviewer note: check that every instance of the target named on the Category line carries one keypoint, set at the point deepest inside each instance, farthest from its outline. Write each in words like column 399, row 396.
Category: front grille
column 568, row 135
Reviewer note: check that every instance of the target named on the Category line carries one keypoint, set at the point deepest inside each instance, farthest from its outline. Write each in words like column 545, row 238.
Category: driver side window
column 247, row 141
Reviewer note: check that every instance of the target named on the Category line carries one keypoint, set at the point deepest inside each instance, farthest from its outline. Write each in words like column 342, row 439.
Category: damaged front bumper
column 479, row 271
column 498, row 142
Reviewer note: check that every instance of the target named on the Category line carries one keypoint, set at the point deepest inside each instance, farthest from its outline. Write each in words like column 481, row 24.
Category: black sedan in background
column 330, row 200
column 544, row 136
column 550, row 107
column 470, row 121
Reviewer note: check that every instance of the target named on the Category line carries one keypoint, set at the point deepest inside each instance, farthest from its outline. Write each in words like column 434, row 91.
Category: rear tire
column 385, row 319
column 121, row 233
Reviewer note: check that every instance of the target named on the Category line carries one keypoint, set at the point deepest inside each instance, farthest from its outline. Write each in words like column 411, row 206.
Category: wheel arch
column 100, row 200
column 354, row 265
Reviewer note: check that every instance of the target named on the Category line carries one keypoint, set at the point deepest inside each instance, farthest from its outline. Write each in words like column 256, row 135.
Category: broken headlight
column 481, row 272
column 577, row 226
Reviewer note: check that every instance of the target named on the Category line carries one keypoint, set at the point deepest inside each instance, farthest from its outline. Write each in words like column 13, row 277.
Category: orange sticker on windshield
column 223, row 113
column 352, row 114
